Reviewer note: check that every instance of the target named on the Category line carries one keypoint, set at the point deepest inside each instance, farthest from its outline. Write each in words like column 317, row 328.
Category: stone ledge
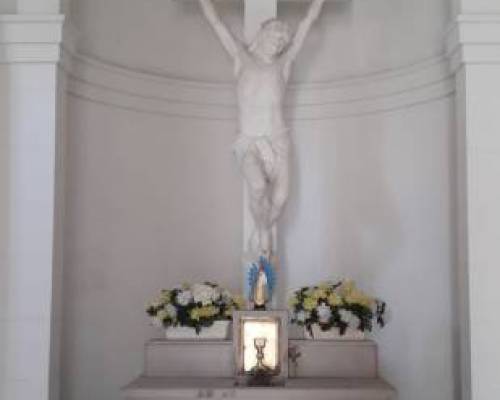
column 339, row 359
column 145, row 388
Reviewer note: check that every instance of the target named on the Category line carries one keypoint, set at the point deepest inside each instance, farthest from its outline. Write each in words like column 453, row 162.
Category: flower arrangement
column 196, row 306
column 338, row 305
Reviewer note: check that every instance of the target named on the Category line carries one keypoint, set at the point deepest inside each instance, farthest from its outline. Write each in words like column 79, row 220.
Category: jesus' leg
column 260, row 207
column 281, row 186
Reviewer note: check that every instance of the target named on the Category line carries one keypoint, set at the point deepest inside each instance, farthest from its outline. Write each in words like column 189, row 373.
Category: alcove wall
column 153, row 197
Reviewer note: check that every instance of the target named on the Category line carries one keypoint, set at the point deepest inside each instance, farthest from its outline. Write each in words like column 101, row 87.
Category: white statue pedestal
column 329, row 370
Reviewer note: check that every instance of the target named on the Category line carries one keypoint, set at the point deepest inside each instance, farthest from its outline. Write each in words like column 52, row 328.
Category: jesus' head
column 272, row 39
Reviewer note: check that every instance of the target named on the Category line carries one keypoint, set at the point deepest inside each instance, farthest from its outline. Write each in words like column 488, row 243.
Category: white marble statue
column 262, row 69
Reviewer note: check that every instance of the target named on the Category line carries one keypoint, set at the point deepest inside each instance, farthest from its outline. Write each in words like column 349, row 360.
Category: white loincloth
column 271, row 150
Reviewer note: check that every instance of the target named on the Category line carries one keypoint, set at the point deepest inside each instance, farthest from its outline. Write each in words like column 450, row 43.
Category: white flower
column 205, row 294
column 184, row 297
column 303, row 315
column 171, row 311
column 349, row 318
column 217, row 293
column 354, row 323
column 227, row 296
column 157, row 322
column 324, row 313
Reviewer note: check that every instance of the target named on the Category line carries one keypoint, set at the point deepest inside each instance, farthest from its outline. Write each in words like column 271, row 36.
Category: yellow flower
column 208, row 311
column 324, row 285
column 319, row 294
column 346, row 288
column 229, row 312
column 358, row 297
column 165, row 296
column 162, row 315
column 334, row 300
column 195, row 314
column 310, row 303
column 293, row 301
column 239, row 301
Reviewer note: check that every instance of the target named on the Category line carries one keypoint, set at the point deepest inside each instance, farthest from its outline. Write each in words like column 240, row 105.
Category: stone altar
column 329, row 370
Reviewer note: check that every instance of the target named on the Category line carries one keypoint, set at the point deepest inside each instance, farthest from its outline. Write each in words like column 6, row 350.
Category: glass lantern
column 260, row 347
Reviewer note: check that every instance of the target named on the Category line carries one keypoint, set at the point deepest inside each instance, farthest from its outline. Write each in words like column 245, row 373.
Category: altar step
column 326, row 370
column 158, row 388
column 212, row 359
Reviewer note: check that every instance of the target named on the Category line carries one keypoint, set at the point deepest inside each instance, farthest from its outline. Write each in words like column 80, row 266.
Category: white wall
column 150, row 201
column 29, row 6
column 372, row 201
column 371, row 196
column 38, row 7
column 353, row 38
column 8, row 7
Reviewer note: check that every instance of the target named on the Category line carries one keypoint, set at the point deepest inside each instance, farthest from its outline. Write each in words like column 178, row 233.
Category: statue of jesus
column 262, row 69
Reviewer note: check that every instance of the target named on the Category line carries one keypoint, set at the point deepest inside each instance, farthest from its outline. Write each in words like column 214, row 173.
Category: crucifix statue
column 262, row 69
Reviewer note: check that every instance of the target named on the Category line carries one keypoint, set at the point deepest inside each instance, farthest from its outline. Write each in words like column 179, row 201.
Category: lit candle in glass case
column 260, row 345
column 264, row 334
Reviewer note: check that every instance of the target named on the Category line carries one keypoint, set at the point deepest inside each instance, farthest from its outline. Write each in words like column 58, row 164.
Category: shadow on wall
column 342, row 13
column 8, row 7
column 5, row 225
column 287, row 222
column 342, row 219
column 367, row 218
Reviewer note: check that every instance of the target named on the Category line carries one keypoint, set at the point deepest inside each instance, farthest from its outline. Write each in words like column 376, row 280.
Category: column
column 473, row 45
column 29, row 51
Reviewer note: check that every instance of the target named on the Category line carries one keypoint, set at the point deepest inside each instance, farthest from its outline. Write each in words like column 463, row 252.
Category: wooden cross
column 256, row 12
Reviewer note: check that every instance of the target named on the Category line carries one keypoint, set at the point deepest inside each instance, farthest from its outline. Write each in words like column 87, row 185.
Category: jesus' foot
column 266, row 243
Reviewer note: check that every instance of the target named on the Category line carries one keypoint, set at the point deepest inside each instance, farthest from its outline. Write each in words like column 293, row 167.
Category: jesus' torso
column 261, row 90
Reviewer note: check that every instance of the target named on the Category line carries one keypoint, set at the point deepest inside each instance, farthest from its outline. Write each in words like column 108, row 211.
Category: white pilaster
column 473, row 45
column 29, row 51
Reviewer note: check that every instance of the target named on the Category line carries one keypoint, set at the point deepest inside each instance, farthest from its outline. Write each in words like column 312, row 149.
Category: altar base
column 209, row 359
column 326, row 370
column 146, row 388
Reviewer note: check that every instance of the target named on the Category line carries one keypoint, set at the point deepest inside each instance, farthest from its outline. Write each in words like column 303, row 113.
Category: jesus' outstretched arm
column 225, row 36
column 302, row 31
